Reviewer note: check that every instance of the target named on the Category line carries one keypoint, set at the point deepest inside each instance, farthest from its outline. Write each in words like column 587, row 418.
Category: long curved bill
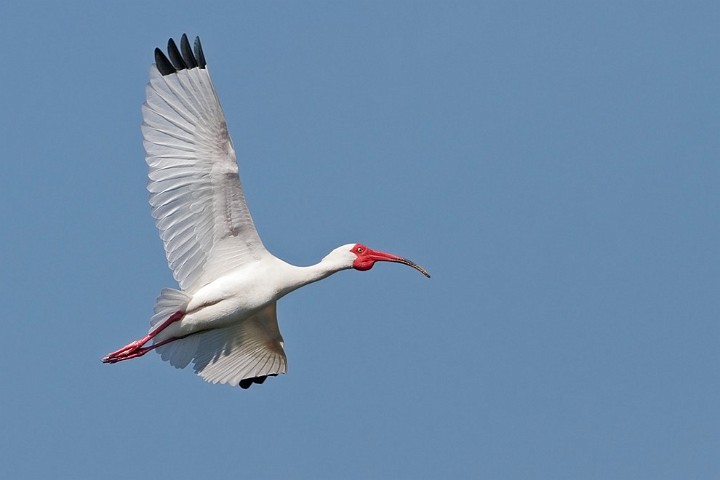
column 389, row 257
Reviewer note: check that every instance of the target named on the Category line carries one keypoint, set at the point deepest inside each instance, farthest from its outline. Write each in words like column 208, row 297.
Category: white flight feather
column 195, row 192
column 251, row 348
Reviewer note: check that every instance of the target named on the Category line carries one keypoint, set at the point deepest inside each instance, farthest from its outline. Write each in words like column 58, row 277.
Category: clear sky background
column 554, row 165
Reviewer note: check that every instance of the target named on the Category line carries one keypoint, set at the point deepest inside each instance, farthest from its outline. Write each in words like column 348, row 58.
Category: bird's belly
column 218, row 315
column 219, row 305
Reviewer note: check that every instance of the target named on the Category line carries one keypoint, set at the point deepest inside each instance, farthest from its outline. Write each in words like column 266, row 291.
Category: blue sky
column 554, row 165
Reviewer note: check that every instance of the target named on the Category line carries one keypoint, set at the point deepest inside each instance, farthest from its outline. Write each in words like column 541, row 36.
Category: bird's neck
column 300, row 276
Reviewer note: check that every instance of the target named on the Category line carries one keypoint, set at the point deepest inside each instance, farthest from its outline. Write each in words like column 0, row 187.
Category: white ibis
column 223, row 318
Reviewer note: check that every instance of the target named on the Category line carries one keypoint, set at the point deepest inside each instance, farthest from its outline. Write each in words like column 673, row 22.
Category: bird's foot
column 136, row 348
column 131, row 350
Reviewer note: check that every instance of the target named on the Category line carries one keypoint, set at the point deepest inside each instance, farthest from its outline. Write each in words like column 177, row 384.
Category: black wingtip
column 247, row 382
column 163, row 64
column 199, row 55
column 180, row 59
column 187, row 53
column 175, row 56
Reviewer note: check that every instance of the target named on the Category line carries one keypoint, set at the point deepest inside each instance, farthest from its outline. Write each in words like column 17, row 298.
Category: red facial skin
column 366, row 258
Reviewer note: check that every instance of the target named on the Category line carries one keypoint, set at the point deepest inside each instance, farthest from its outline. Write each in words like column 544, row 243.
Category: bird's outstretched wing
column 195, row 193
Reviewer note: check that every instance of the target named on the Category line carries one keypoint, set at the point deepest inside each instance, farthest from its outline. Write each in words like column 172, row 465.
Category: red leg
column 139, row 352
column 136, row 349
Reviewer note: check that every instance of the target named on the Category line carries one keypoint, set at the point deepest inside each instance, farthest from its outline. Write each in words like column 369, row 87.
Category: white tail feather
column 168, row 303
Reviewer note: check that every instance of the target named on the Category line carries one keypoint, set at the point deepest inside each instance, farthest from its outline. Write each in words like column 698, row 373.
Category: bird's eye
column 359, row 249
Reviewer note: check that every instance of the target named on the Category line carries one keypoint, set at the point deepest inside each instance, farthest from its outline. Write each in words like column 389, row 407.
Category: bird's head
column 360, row 257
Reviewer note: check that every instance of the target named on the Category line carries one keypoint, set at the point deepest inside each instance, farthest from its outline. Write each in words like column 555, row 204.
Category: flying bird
column 223, row 319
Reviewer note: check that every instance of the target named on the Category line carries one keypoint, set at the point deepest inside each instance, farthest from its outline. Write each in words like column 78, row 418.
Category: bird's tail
column 167, row 304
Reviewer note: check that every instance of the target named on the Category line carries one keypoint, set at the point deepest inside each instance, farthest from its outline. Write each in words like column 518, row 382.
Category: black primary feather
column 175, row 56
column 246, row 382
column 180, row 59
column 199, row 55
column 162, row 63
column 187, row 53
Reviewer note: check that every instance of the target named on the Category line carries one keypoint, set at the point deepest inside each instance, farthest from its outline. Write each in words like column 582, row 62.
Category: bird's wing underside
column 240, row 354
column 195, row 192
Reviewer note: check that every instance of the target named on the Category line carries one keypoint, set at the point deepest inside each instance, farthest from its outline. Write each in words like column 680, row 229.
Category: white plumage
column 223, row 320
column 195, row 193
